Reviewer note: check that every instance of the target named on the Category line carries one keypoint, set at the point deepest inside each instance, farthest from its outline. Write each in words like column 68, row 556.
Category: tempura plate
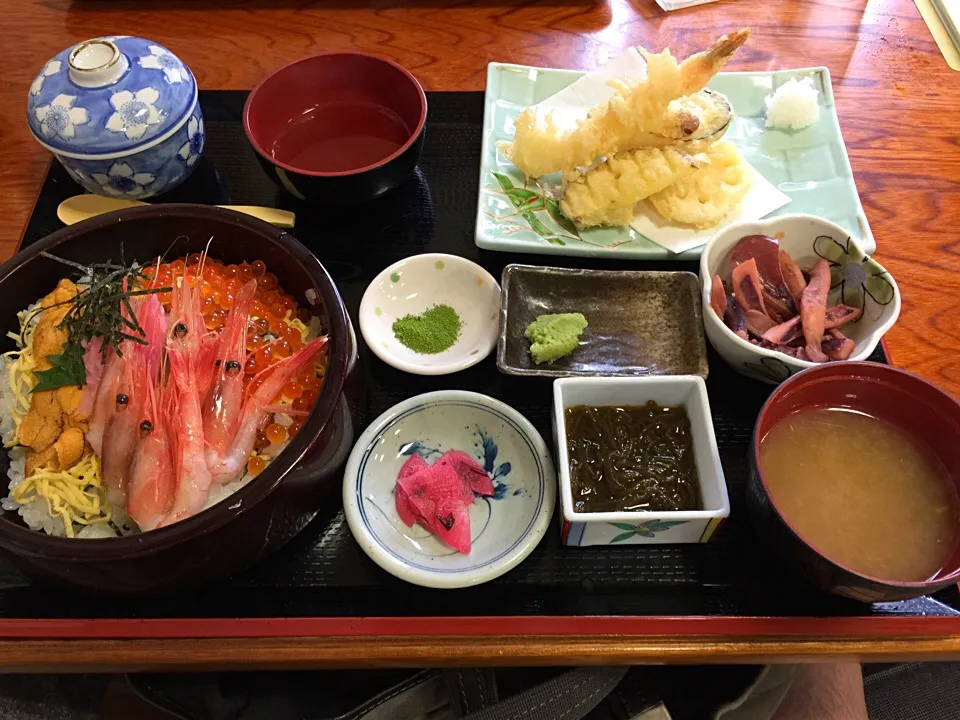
column 809, row 165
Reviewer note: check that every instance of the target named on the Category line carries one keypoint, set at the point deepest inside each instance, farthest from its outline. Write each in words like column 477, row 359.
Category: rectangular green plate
column 809, row 165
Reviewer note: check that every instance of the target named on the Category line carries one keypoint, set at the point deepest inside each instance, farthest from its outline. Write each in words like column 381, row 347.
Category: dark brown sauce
column 631, row 458
column 339, row 137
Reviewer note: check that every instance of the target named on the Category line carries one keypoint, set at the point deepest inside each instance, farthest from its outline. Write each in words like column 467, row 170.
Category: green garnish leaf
column 67, row 370
column 553, row 207
column 504, row 181
column 538, row 227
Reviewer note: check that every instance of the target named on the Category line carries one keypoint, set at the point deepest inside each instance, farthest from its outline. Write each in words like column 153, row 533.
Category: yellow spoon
column 80, row 207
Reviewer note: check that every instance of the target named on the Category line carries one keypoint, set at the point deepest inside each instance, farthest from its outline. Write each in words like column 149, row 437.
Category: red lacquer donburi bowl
column 923, row 411
column 273, row 507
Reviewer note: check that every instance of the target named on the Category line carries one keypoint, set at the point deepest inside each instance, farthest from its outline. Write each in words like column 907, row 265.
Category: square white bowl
column 642, row 528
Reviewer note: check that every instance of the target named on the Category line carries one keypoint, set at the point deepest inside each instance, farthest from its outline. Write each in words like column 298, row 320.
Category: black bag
column 601, row 693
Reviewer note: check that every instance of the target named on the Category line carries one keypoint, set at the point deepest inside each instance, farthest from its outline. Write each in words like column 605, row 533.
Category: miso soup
column 862, row 492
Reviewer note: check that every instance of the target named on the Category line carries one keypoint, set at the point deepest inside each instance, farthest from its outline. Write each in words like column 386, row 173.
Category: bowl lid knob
column 96, row 63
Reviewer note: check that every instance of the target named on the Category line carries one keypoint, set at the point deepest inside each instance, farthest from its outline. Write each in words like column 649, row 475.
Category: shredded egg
column 75, row 494
column 20, row 365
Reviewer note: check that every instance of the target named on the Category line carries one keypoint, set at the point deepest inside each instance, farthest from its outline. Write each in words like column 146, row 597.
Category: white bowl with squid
column 856, row 280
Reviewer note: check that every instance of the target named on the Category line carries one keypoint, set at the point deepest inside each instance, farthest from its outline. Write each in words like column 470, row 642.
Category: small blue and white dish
column 504, row 528
column 120, row 114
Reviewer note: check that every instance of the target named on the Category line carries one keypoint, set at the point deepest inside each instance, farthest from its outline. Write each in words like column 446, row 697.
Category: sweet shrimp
column 186, row 342
column 223, row 406
column 256, row 406
column 151, row 480
column 140, row 361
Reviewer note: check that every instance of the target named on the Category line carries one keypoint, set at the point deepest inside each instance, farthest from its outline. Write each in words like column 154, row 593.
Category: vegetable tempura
column 608, row 194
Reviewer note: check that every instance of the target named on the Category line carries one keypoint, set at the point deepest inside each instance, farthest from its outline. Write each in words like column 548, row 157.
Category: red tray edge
column 280, row 627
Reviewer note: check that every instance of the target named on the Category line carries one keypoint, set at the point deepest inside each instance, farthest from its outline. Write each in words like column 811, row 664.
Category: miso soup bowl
column 923, row 411
column 857, row 280
column 339, row 82
column 632, row 527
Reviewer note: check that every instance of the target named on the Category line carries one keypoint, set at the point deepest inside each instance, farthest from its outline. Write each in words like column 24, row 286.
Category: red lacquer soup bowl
column 272, row 508
column 923, row 411
column 337, row 128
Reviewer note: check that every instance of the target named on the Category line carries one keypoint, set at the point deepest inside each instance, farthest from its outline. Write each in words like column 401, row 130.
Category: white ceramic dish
column 504, row 528
column 858, row 281
column 643, row 528
column 417, row 283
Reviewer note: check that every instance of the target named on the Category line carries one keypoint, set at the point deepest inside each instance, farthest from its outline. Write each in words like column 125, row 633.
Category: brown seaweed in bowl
column 631, row 458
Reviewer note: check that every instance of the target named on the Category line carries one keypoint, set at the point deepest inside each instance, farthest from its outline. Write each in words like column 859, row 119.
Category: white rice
column 8, row 426
column 794, row 105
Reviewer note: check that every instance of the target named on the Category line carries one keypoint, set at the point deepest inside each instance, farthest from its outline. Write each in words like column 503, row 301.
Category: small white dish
column 858, row 281
column 416, row 284
column 643, row 528
column 504, row 528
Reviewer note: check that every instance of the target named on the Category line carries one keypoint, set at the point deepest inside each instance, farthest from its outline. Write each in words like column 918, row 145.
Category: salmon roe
column 276, row 433
column 255, row 465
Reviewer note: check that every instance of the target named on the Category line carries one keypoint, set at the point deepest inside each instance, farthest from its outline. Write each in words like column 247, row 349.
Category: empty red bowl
column 339, row 127
column 920, row 409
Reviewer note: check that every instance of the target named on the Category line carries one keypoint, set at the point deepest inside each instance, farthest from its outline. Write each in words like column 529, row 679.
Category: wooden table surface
column 895, row 96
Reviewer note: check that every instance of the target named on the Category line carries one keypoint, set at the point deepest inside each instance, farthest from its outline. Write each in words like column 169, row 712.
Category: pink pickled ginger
column 439, row 496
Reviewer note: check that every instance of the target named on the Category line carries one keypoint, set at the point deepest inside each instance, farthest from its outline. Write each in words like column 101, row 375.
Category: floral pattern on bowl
column 648, row 529
column 855, row 275
column 856, row 280
column 130, row 127
column 144, row 174
column 504, row 528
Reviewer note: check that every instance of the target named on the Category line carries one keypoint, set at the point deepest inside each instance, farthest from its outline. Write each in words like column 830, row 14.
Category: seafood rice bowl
column 139, row 395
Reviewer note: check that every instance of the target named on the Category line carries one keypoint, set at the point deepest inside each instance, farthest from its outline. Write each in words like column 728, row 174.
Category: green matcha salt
column 431, row 332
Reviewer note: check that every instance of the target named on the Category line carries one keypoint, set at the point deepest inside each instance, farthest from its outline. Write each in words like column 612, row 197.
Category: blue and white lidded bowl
column 120, row 114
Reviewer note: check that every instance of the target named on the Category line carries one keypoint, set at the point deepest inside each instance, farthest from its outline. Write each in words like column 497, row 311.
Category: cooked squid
column 758, row 274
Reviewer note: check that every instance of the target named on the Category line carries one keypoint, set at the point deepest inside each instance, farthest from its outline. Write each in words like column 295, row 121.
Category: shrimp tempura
column 636, row 116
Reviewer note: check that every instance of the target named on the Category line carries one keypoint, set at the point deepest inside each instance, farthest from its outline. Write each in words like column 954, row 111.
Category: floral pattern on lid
column 162, row 59
column 153, row 96
column 51, row 68
column 60, row 118
column 135, row 112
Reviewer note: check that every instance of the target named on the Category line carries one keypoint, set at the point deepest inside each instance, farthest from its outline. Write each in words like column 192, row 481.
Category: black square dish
column 640, row 322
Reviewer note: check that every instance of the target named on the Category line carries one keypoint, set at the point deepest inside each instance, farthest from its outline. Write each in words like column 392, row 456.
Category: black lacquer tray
column 324, row 574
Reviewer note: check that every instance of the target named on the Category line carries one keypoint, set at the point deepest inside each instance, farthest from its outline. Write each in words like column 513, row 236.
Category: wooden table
column 896, row 99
